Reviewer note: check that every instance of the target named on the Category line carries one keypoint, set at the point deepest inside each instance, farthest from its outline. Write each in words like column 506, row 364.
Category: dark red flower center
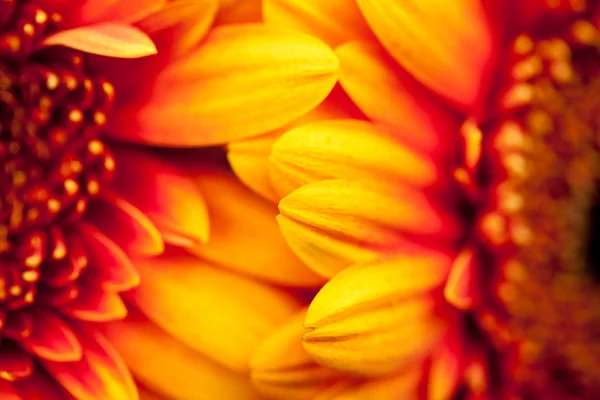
column 541, row 172
column 52, row 161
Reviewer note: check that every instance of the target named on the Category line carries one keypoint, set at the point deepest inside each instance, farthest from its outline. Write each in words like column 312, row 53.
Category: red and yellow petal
column 242, row 82
column 190, row 290
column 239, row 11
column 446, row 45
column 334, row 22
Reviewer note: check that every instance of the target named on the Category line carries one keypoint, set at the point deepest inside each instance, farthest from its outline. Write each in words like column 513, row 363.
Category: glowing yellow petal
column 350, row 149
column 333, row 21
column 445, row 44
column 335, row 223
column 248, row 157
column 366, row 311
column 282, row 369
column 388, row 95
column 447, row 367
column 169, row 367
column 243, row 81
column 245, row 236
column 220, row 314
column 404, row 385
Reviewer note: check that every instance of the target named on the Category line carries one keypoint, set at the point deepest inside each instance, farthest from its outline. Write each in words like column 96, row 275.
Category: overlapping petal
column 228, row 90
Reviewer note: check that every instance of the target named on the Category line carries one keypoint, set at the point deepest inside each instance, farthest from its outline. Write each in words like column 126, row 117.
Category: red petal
column 461, row 287
column 7, row 391
column 96, row 305
column 127, row 226
column 110, row 268
column 110, row 39
column 14, row 363
column 101, row 374
column 39, row 386
column 51, row 338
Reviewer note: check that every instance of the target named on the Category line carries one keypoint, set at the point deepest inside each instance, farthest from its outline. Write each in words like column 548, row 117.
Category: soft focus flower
column 455, row 218
column 82, row 201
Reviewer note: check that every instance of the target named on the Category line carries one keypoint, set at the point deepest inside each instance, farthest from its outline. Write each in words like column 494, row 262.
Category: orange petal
column 344, row 149
column 146, row 394
column 96, row 305
column 245, row 236
column 224, row 316
column 461, row 288
column 181, row 23
column 447, row 368
column 333, row 21
column 51, row 338
column 229, row 90
column 15, row 363
column 404, row 385
column 248, row 157
column 110, row 268
column 295, row 376
column 100, row 375
column 165, row 194
column 127, row 226
column 110, row 39
column 444, row 44
column 377, row 318
column 169, row 367
column 388, row 95
column 239, row 11
column 8, row 392
column 335, row 223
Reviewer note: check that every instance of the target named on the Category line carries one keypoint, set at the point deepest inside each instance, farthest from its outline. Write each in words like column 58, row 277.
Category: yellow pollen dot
column 60, row 251
column 53, row 206
column 100, row 118
column 28, row 298
column 80, row 206
column 515, row 271
column 52, row 81
column 472, row 135
column 109, row 163
column 508, row 292
column 521, row 234
column 585, row 32
column 30, row 276
column 15, row 290
column 33, row 261
column 516, row 164
column 76, row 115
column 28, row 29
column 33, row 214
column 93, row 187
column 19, row 178
column 41, row 17
column 14, row 147
column 493, row 225
column 523, row 44
column 562, row 72
column 95, row 147
column 528, row 68
column 7, row 376
column 511, row 202
column 555, row 49
column 510, row 136
column 539, row 121
column 519, row 95
column 71, row 187
column 108, row 88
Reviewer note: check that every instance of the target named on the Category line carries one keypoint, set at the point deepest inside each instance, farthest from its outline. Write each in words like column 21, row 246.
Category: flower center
column 542, row 171
column 52, row 160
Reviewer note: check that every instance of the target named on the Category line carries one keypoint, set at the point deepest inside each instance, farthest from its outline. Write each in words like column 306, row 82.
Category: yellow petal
column 333, row 21
column 377, row 318
column 388, row 95
column 248, row 157
column 404, row 385
column 218, row 313
column 169, row 367
column 335, row 223
column 166, row 194
column 282, row 369
column 243, row 81
column 239, row 11
column 344, row 149
column 447, row 367
column 245, row 236
column 110, row 39
column 445, row 44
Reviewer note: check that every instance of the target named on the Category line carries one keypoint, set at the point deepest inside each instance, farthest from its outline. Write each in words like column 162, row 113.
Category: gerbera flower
column 457, row 218
column 75, row 205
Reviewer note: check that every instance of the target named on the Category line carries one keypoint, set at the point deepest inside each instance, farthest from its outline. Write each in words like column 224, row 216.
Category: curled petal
column 446, row 45
column 96, row 305
column 51, row 338
column 110, row 39
column 229, row 90
column 334, row 21
column 344, row 149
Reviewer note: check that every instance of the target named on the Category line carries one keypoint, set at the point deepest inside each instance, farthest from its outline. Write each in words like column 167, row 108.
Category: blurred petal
column 51, row 338
column 444, row 44
column 333, row 21
column 165, row 194
column 447, row 368
column 183, row 23
column 390, row 96
column 367, row 309
column 293, row 376
column 335, row 223
column 171, row 368
column 100, row 375
column 344, row 149
column 218, row 313
column 110, row 39
column 8, row 392
column 110, row 268
column 39, row 386
column 127, row 226
column 248, row 157
column 245, row 236
column 404, row 385
column 245, row 80
column 96, row 305
column 239, row 11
